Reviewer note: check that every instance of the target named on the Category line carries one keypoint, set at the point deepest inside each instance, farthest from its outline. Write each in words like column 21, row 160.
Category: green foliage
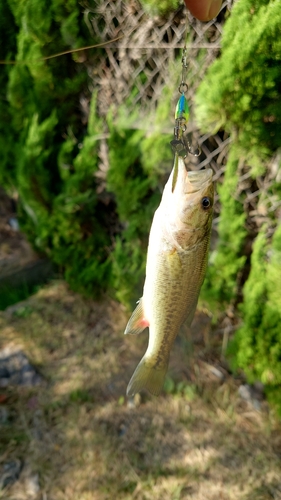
column 12, row 295
column 139, row 163
column 155, row 146
column 182, row 389
column 8, row 30
column 241, row 91
column 241, row 94
column 80, row 396
column 257, row 344
column 53, row 157
column 160, row 7
column 95, row 231
column 135, row 203
column 227, row 260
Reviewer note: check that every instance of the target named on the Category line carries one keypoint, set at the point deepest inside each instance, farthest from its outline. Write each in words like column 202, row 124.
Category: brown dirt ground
column 76, row 432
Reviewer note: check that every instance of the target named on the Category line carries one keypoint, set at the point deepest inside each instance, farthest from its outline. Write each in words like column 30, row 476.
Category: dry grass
column 86, row 443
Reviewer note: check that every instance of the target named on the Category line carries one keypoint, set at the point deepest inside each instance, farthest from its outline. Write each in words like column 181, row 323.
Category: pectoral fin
column 174, row 264
column 137, row 322
column 176, row 171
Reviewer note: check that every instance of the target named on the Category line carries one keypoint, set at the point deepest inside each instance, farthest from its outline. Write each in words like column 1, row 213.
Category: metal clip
column 181, row 146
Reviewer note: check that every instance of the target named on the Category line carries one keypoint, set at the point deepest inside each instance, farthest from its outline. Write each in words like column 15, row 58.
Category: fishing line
column 59, row 54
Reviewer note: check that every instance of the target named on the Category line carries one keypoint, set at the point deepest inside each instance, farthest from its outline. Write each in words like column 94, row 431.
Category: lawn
column 80, row 439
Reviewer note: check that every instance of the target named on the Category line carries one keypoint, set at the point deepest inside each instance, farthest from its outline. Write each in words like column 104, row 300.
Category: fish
column 177, row 258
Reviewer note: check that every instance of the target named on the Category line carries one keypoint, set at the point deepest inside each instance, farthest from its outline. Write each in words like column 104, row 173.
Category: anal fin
column 137, row 322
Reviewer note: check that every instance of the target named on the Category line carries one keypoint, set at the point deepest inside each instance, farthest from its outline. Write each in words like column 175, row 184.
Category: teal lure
column 182, row 110
column 180, row 144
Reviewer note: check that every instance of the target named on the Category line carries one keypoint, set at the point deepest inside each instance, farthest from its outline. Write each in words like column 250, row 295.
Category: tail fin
column 147, row 376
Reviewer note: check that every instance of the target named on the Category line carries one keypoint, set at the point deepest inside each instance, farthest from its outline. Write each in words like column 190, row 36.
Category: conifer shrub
column 50, row 156
column 139, row 165
column 227, row 260
column 8, row 47
column 96, row 235
column 241, row 94
column 243, row 99
column 162, row 7
column 241, row 91
column 256, row 347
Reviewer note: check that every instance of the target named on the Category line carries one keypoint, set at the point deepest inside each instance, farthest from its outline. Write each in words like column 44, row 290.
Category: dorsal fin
column 176, row 171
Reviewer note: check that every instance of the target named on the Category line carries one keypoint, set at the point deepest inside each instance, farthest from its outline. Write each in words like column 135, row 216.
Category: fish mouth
column 199, row 179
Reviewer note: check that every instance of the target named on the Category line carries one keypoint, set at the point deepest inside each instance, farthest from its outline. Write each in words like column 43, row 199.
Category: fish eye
column 206, row 202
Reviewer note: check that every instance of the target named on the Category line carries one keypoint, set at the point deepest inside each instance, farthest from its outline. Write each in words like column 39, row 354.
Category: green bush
column 95, row 231
column 8, row 48
column 162, row 7
column 257, row 343
column 50, row 157
column 227, row 260
column 241, row 94
column 134, row 183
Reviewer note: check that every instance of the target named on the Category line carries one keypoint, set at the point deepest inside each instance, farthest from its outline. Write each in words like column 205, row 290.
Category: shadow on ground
column 74, row 436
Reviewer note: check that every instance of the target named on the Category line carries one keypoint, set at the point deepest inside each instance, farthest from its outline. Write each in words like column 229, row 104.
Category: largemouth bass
column 175, row 270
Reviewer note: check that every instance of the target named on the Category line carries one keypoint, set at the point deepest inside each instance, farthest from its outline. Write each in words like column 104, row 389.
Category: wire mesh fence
column 146, row 60
column 142, row 58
